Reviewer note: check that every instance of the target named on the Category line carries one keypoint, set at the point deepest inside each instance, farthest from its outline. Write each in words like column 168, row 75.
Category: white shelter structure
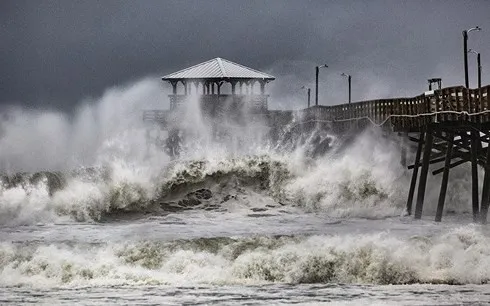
column 219, row 80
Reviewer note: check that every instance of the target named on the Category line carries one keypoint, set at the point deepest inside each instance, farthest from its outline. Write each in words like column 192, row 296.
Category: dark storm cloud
column 55, row 53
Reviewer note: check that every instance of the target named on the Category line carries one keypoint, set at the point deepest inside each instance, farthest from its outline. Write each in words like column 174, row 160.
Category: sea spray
column 366, row 181
column 43, row 140
column 361, row 178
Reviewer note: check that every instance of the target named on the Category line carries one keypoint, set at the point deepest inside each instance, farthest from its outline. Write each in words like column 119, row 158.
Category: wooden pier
column 451, row 126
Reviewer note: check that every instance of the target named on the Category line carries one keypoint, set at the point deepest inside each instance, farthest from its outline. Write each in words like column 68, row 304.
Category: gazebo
column 227, row 93
column 219, row 81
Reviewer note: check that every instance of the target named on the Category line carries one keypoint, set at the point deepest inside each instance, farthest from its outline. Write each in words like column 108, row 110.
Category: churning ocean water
column 239, row 222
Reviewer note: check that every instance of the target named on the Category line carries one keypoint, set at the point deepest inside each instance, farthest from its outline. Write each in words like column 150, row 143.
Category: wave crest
column 462, row 256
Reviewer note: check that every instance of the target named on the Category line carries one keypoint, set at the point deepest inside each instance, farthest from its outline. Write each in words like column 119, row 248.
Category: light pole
column 478, row 63
column 308, row 90
column 349, row 80
column 465, row 53
column 317, row 71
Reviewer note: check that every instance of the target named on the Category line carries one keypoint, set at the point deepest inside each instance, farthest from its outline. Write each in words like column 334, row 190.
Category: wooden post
column 349, row 79
column 445, row 177
column 465, row 54
column 423, row 172
column 174, row 87
column 219, row 87
column 413, row 182
column 317, row 70
column 485, row 199
column 196, row 85
column 403, row 150
column 309, row 96
column 475, row 138
column 262, row 87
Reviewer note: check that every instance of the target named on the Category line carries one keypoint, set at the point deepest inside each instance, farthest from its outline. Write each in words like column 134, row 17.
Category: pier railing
column 403, row 114
column 410, row 114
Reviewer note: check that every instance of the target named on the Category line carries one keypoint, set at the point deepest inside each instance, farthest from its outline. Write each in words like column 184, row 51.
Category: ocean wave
column 365, row 181
column 95, row 194
column 461, row 256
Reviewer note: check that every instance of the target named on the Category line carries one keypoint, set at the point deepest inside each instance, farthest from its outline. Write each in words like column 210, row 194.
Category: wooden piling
column 413, row 182
column 423, row 173
column 475, row 138
column 403, row 150
column 485, row 199
column 445, row 177
column 455, row 164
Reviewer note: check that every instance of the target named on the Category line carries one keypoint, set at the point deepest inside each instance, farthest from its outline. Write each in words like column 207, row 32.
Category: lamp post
column 317, row 71
column 465, row 53
column 478, row 63
column 349, row 80
column 308, row 90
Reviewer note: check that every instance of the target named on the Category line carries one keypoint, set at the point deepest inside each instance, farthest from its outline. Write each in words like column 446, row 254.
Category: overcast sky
column 53, row 54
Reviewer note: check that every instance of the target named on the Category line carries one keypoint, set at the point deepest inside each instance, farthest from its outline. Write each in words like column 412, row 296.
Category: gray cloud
column 53, row 54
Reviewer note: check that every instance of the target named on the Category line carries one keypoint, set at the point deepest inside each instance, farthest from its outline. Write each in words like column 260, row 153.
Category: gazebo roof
column 217, row 68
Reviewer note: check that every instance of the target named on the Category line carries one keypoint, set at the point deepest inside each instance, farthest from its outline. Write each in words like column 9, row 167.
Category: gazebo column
column 219, row 87
column 203, row 89
column 212, row 88
column 196, row 85
column 174, row 87
column 185, row 87
column 262, row 87
column 233, row 89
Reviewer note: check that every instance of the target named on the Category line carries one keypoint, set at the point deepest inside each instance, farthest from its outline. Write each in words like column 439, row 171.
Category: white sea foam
column 461, row 256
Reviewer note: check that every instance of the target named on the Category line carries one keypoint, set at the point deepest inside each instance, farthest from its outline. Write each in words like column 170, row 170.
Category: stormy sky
column 54, row 54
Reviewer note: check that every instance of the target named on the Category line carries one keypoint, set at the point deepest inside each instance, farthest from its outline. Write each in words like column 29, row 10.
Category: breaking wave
column 461, row 256
column 96, row 193
column 366, row 182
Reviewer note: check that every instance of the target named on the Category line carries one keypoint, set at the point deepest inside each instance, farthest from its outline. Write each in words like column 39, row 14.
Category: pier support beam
column 485, row 198
column 445, row 177
column 475, row 138
column 423, row 172
column 413, row 182
column 403, row 149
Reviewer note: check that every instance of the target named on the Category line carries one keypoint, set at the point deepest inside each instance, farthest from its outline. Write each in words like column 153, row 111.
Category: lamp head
column 477, row 28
